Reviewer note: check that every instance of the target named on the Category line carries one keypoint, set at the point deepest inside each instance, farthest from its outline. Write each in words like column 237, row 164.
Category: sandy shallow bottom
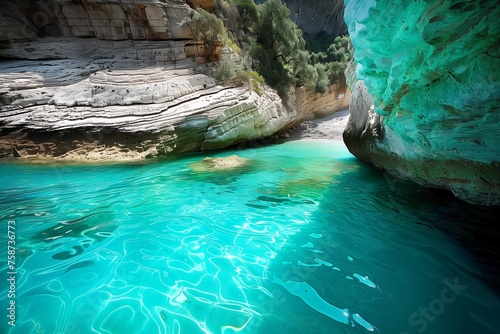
column 303, row 238
column 330, row 127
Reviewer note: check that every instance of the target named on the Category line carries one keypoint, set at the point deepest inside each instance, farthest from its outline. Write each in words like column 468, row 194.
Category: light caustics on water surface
column 160, row 248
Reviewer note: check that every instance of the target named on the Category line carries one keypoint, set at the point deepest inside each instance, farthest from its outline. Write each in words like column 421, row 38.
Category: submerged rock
column 426, row 107
column 219, row 164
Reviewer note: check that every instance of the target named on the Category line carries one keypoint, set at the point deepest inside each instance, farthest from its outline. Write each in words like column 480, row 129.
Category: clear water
column 305, row 239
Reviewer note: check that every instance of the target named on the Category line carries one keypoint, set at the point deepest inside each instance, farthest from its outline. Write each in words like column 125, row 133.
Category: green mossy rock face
column 432, row 72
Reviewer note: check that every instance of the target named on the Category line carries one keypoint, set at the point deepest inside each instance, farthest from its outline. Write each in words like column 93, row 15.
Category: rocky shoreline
column 133, row 86
column 124, row 100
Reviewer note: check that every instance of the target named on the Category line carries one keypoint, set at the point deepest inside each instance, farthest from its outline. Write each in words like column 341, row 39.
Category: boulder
column 426, row 106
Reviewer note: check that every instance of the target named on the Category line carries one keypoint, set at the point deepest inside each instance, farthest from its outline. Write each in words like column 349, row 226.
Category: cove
column 303, row 238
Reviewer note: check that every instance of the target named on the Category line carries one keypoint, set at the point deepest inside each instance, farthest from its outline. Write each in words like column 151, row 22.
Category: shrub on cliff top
column 208, row 28
column 224, row 72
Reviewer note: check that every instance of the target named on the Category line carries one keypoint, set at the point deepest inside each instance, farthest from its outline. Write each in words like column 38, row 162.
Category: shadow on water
column 348, row 237
column 386, row 249
column 472, row 227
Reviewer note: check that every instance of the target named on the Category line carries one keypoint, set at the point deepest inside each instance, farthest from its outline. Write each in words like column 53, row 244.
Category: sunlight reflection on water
column 305, row 240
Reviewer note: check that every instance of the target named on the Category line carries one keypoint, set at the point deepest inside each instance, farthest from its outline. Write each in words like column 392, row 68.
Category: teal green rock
column 426, row 106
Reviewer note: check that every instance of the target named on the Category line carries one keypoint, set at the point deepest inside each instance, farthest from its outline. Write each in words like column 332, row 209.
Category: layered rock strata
column 110, row 20
column 426, row 107
column 132, row 88
column 130, row 99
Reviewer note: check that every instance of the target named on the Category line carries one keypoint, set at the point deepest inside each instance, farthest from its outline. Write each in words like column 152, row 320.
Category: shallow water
column 305, row 239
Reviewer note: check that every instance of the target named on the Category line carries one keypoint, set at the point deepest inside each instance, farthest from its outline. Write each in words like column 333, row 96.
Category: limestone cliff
column 427, row 106
column 116, row 20
column 120, row 101
column 133, row 88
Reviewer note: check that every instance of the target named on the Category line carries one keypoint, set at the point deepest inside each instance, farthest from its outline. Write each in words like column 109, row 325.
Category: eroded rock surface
column 132, row 88
column 110, row 20
column 427, row 107
column 52, row 107
column 130, row 99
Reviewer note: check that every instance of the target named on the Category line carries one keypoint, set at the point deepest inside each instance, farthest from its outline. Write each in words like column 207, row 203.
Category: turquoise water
column 303, row 239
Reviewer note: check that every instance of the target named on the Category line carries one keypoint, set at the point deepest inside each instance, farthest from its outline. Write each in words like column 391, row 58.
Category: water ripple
column 287, row 245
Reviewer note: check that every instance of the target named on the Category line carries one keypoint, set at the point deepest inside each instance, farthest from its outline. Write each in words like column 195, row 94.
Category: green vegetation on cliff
column 271, row 44
column 208, row 28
